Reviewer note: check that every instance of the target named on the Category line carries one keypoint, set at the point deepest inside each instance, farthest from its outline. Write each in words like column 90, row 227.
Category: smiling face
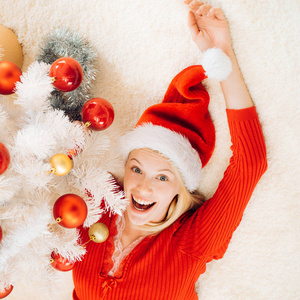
column 150, row 185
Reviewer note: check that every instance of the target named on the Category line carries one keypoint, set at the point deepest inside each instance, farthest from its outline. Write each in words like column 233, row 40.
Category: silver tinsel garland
column 62, row 43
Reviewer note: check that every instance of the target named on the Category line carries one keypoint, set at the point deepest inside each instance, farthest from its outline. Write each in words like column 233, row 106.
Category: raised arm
column 209, row 28
column 208, row 231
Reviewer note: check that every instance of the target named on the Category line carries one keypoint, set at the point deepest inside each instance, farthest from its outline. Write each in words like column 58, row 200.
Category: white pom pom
column 216, row 64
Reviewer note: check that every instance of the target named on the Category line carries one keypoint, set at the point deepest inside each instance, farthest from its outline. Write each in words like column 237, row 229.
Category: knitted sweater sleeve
column 208, row 231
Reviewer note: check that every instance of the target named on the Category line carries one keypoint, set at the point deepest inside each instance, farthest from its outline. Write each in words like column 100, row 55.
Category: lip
column 140, row 211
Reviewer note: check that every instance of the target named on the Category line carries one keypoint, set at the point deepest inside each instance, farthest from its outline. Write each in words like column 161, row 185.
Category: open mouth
column 137, row 204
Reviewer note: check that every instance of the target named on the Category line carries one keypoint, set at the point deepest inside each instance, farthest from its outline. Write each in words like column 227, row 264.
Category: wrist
column 229, row 52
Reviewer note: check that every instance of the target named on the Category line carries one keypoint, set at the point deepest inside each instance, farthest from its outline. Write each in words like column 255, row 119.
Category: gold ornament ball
column 61, row 164
column 98, row 232
column 10, row 48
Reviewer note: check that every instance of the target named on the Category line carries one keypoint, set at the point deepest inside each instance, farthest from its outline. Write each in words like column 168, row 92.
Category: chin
column 136, row 220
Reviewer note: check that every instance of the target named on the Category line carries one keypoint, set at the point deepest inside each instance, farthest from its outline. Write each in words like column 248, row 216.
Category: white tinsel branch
column 88, row 175
column 102, row 186
column 11, row 120
column 33, row 132
column 3, row 118
column 7, row 276
column 34, row 88
column 33, row 225
column 95, row 147
column 6, row 130
column 47, row 134
column 35, row 173
column 9, row 186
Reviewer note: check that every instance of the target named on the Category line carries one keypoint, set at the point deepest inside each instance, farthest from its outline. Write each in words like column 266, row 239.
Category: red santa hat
column 180, row 128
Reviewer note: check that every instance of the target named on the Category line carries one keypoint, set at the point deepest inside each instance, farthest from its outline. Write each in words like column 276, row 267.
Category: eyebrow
column 135, row 160
column 166, row 170
column 162, row 170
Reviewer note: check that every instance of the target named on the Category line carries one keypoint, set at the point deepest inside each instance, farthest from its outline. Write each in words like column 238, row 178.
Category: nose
column 144, row 186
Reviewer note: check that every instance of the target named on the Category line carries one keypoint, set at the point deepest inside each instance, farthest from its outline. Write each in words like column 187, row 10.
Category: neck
column 132, row 228
column 131, row 232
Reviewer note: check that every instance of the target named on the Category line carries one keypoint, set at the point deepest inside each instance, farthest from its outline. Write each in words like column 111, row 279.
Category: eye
column 136, row 170
column 162, row 178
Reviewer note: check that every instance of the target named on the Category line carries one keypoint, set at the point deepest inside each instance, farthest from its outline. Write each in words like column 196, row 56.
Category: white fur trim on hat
column 170, row 144
column 216, row 63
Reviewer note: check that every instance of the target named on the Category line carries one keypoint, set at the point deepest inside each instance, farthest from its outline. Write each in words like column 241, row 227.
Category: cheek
column 126, row 175
column 167, row 194
column 175, row 188
column 129, row 180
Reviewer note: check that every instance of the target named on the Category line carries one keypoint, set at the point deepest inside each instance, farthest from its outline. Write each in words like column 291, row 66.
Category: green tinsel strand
column 65, row 43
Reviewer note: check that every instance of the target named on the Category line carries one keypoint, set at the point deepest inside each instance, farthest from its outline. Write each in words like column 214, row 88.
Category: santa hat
column 180, row 128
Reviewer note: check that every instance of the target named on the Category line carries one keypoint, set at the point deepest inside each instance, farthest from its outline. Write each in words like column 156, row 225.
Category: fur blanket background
column 141, row 46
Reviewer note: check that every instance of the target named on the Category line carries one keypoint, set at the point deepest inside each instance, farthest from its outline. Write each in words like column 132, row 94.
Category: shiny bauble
column 11, row 49
column 66, row 73
column 70, row 211
column 98, row 113
column 6, row 292
column 10, row 74
column 4, row 158
column 61, row 164
column 1, row 234
column 60, row 263
column 98, row 232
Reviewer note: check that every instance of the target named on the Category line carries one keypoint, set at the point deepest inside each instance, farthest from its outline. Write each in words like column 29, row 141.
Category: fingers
column 194, row 5
column 217, row 13
column 201, row 9
column 194, row 29
column 188, row 2
column 204, row 9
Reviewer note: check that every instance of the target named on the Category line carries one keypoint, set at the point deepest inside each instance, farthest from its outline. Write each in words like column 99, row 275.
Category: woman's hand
column 208, row 26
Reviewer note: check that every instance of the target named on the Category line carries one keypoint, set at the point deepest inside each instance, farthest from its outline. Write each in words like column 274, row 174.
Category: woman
column 161, row 245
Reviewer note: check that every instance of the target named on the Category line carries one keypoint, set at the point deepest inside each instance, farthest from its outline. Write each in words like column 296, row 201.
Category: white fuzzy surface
column 141, row 46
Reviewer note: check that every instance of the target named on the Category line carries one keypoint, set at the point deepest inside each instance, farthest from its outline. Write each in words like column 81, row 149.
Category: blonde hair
column 181, row 203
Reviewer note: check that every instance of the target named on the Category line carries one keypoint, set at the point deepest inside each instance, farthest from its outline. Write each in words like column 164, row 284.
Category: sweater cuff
column 241, row 114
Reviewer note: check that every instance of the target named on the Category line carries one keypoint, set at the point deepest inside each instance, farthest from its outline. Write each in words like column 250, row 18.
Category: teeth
column 139, row 208
column 142, row 202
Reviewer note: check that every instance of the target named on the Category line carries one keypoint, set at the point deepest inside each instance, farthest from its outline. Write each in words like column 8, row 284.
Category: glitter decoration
column 65, row 43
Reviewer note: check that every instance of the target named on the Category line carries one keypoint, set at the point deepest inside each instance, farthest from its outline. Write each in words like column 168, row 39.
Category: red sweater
column 167, row 266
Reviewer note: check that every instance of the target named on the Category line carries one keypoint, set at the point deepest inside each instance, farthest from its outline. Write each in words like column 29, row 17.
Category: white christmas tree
column 33, row 132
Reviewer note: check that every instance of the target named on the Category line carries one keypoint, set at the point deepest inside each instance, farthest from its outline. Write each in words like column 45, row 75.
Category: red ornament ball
column 6, row 291
column 4, row 158
column 10, row 74
column 70, row 211
column 60, row 263
column 99, row 112
column 67, row 74
column 1, row 234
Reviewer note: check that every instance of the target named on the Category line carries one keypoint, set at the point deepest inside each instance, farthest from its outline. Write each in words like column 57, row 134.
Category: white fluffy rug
column 141, row 46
